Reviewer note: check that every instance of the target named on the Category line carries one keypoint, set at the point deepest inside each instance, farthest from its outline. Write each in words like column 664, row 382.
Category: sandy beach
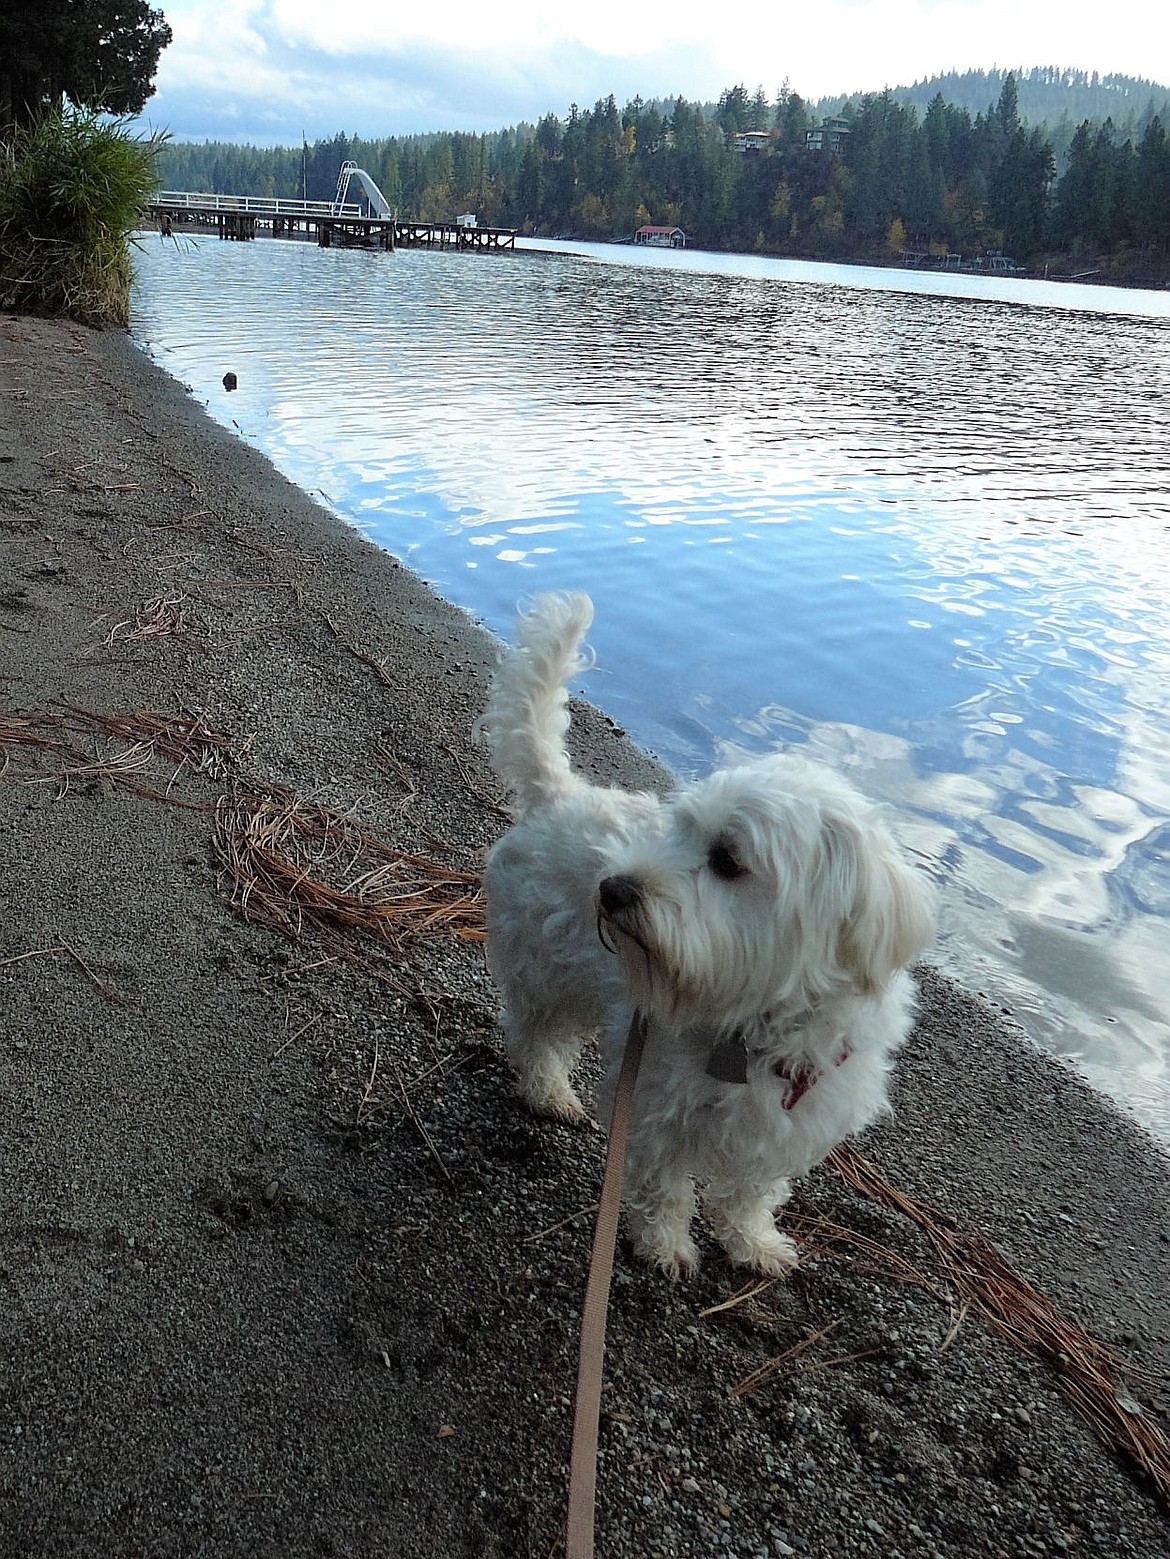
column 284, row 1267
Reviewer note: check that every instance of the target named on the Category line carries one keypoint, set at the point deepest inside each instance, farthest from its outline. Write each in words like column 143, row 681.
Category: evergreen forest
column 894, row 180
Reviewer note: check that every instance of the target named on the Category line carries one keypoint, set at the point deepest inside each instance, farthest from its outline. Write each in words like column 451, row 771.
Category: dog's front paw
column 746, row 1228
column 775, row 1257
column 664, row 1245
column 675, row 1261
column 766, row 1251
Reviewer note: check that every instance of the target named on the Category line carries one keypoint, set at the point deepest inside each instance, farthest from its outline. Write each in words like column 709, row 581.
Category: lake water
column 917, row 524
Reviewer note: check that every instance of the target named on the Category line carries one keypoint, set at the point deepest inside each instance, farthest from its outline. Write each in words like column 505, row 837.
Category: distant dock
column 336, row 224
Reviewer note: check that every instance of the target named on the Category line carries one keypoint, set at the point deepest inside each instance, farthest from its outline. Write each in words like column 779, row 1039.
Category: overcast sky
column 266, row 70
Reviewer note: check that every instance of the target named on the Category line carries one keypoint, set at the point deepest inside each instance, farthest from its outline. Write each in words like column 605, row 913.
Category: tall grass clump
column 72, row 186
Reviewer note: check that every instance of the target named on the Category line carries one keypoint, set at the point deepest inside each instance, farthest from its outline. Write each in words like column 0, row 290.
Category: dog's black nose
column 618, row 893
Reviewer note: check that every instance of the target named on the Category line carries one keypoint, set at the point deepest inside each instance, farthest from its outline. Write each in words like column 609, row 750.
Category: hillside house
column 829, row 136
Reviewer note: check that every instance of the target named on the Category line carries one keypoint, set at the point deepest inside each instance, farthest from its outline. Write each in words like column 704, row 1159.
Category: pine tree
column 100, row 54
column 1149, row 198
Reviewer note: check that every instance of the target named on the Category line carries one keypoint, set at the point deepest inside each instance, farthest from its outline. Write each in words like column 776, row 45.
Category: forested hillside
column 1047, row 95
column 895, row 179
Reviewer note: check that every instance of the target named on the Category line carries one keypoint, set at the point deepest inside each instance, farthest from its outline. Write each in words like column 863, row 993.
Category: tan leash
column 591, row 1363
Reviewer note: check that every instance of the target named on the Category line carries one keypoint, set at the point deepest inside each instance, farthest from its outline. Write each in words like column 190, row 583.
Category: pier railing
column 254, row 205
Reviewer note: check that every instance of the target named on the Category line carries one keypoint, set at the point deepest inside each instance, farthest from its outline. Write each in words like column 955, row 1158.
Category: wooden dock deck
column 453, row 235
column 240, row 217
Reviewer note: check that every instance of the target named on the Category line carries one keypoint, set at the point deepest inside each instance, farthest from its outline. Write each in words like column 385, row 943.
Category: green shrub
column 71, row 190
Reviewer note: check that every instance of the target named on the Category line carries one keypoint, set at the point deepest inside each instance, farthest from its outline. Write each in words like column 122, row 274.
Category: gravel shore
column 284, row 1268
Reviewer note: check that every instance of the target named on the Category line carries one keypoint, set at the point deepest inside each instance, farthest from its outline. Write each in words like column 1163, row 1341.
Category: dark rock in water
column 229, row 381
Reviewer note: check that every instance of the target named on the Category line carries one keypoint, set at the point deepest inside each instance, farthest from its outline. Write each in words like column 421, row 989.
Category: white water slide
column 373, row 195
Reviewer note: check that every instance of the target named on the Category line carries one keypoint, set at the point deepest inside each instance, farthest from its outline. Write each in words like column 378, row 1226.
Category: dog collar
column 728, row 1063
column 728, row 1060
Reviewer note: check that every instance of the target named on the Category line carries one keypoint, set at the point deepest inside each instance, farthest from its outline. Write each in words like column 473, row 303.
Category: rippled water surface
column 919, row 524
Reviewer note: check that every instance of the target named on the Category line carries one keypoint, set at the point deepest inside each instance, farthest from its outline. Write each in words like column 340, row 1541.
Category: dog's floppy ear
column 891, row 920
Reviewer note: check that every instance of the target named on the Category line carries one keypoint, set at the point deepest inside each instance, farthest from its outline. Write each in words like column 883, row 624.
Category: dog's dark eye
column 723, row 863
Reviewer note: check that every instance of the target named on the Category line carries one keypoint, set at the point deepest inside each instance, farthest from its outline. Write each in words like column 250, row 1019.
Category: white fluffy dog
column 761, row 922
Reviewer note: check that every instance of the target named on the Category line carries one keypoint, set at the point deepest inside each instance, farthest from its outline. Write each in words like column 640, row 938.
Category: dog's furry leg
column 745, row 1225
column 660, row 1204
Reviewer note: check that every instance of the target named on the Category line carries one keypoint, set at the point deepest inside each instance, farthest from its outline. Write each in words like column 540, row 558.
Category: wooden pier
column 335, row 224
column 356, row 233
column 454, row 235
column 236, row 224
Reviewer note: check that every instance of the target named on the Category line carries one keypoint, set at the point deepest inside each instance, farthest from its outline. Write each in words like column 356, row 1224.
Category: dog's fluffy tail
column 527, row 714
